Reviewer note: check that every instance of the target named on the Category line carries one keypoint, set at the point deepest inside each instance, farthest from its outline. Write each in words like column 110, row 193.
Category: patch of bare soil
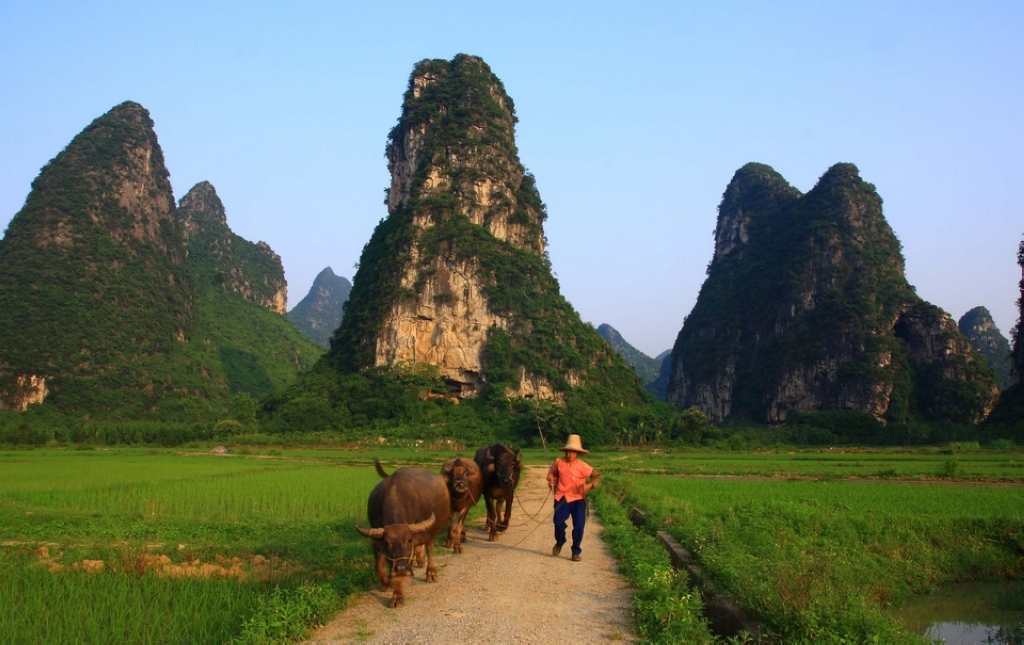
column 257, row 566
column 509, row 591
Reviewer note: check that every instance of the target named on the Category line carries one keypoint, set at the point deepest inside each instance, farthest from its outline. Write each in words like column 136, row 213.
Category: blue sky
column 632, row 116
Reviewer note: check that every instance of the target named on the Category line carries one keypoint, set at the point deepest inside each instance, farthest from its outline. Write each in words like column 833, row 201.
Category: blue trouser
column 578, row 511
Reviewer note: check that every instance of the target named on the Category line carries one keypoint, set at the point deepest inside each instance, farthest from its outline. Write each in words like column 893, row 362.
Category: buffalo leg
column 398, row 598
column 455, row 532
column 431, row 569
column 417, row 556
column 508, row 513
column 492, row 519
column 383, row 574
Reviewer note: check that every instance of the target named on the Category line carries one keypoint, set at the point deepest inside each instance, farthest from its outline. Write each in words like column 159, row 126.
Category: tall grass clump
column 665, row 608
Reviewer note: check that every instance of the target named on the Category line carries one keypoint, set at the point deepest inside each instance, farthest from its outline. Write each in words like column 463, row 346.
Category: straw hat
column 575, row 444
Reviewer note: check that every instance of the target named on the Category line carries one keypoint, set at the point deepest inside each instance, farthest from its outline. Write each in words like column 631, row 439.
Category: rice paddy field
column 823, row 546
column 159, row 546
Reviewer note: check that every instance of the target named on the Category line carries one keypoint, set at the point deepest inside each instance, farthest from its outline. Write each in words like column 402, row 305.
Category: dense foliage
column 90, row 287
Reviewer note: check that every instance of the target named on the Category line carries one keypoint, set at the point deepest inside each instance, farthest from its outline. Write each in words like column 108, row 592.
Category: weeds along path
column 512, row 590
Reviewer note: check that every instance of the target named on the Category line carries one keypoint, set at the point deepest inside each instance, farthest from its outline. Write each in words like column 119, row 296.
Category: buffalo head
column 460, row 475
column 505, row 464
column 398, row 543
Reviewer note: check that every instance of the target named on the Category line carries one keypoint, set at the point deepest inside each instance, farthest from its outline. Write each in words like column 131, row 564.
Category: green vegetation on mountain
column 92, row 277
column 218, row 257
column 806, row 308
column 105, row 303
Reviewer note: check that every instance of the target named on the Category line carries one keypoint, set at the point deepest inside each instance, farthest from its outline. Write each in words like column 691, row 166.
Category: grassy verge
column 665, row 608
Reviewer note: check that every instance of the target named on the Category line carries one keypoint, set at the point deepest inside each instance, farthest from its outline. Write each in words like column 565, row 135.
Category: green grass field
column 142, row 545
column 821, row 546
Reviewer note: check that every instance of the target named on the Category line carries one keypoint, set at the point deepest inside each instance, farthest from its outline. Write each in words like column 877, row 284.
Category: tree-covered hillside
column 105, row 310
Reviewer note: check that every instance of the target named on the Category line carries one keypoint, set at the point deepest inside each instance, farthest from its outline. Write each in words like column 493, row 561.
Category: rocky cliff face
column 231, row 263
column 95, row 239
column 806, row 308
column 460, row 258
column 319, row 313
column 979, row 328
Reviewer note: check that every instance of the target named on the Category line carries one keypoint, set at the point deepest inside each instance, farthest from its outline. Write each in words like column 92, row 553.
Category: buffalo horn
column 421, row 526
column 376, row 534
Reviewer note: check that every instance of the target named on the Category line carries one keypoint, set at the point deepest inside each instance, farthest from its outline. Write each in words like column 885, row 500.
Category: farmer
column 568, row 479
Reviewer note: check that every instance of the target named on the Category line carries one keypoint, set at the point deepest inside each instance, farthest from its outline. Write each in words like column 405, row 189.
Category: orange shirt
column 570, row 476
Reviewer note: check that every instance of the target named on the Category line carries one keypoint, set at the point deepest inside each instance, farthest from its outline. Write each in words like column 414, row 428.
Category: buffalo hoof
column 431, row 575
column 397, row 601
column 493, row 537
column 448, row 544
column 457, row 548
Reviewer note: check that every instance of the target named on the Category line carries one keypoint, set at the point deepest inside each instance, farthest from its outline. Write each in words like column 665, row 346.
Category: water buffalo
column 407, row 509
column 500, row 468
column 465, row 484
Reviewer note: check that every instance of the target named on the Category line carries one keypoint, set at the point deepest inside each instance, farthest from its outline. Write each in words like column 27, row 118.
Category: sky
column 633, row 117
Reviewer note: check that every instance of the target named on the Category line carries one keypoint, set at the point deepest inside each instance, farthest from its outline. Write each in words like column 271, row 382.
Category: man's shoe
column 576, row 557
column 555, row 550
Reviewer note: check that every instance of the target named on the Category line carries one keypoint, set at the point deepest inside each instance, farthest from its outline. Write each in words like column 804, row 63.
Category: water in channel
column 969, row 613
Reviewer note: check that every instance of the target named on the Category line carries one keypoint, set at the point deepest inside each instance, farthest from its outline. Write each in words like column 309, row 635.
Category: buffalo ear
column 489, row 456
column 519, row 455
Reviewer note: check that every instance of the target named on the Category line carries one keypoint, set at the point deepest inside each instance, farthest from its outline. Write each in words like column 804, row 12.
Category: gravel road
column 509, row 591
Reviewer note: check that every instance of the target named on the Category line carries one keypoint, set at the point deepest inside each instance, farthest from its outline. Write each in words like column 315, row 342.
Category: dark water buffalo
column 465, row 484
column 407, row 510
column 500, row 468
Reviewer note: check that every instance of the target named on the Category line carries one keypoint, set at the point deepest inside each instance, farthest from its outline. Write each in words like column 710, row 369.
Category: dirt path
column 509, row 591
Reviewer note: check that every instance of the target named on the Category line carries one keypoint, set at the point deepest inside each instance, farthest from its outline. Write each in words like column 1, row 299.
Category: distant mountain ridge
column 647, row 368
column 979, row 328
column 319, row 313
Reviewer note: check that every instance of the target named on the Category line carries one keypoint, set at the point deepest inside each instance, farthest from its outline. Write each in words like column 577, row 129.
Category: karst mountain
column 319, row 313
column 456, row 277
column 978, row 327
column 117, row 301
column 806, row 308
column 647, row 368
